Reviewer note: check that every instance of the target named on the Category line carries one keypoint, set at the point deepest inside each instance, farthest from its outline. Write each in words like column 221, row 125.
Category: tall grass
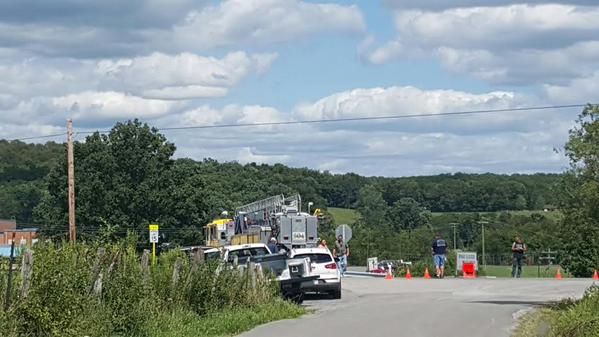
column 568, row 318
column 134, row 300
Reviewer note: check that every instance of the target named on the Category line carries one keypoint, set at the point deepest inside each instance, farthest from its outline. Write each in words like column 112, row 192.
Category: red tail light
column 331, row 266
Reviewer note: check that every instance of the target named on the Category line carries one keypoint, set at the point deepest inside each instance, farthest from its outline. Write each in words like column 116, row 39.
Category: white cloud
column 445, row 4
column 251, row 22
column 37, row 88
column 500, row 142
column 182, row 76
column 521, row 26
column 110, row 106
column 515, row 44
column 524, row 66
column 109, row 30
column 582, row 89
column 394, row 101
column 251, row 155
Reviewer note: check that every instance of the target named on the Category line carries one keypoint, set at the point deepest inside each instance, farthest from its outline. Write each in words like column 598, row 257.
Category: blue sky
column 209, row 62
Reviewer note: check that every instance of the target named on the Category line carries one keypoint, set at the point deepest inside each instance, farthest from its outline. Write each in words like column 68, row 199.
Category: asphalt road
column 418, row 307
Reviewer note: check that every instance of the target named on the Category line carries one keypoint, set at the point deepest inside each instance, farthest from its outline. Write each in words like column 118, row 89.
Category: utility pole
column 71, row 175
column 455, row 246
column 453, row 224
column 482, row 223
column 484, row 259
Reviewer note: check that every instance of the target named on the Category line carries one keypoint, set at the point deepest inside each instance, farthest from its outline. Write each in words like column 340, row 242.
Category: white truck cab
column 293, row 274
column 243, row 252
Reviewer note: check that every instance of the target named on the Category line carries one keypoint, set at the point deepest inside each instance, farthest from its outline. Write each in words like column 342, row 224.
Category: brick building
column 22, row 236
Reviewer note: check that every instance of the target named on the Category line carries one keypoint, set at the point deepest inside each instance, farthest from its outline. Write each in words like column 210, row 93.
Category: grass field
column 349, row 216
column 527, row 271
column 555, row 215
column 344, row 215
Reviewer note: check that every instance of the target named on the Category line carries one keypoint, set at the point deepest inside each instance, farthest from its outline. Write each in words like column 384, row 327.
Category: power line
column 38, row 137
column 340, row 120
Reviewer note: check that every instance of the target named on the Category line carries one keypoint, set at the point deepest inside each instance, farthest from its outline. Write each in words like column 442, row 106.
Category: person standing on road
column 439, row 249
column 518, row 250
column 323, row 244
column 341, row 251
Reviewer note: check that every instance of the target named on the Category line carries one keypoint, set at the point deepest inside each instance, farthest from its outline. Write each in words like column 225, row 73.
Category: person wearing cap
column 272, row 246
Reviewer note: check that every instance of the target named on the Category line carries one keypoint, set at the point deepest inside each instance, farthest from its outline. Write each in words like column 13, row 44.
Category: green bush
column 62, row 300
column 581, row 319
column 567, row 318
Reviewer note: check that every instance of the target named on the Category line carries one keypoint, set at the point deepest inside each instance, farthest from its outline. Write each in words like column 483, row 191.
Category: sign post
column 345, row 232
column 466, row 257
column 154, row 240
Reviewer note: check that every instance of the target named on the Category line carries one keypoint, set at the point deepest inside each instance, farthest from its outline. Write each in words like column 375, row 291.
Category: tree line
column 134, row 164
column 129, row 178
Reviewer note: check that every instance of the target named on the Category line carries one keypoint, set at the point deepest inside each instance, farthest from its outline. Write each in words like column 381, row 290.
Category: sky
column 177, row 63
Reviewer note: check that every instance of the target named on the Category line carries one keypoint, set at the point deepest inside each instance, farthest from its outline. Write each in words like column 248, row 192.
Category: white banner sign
column 466, row 257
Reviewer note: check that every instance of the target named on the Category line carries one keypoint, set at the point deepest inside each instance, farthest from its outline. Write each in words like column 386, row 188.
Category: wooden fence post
column 96, row 268
column 145, row 263
column 97, row 290
column 252, row 274
column 176, row 272
column 26, row 271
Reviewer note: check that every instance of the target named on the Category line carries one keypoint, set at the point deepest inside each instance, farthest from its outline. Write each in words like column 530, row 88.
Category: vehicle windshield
column 316, row 258
column 211, row 256
column 247, row 252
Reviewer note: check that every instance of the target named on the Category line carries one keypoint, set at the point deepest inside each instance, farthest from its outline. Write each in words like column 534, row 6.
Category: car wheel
column 296, row 298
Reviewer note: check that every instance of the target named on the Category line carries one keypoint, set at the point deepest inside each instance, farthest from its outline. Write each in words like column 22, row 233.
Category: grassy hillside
column 554, row 215
column 349, row 216
column 343, row 215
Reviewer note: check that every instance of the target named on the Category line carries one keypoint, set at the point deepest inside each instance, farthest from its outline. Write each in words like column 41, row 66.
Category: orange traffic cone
column 408, row 275
column 427, row 275
column 595, row 276
column 389, row 276
column 559, row 274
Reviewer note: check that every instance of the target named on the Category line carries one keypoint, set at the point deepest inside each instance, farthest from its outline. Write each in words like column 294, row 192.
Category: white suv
column 323, row 264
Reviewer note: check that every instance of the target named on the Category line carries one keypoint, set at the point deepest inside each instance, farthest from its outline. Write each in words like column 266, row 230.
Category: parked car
column 210, row 253
column 293, row 274
column 243, row 252
column 323, row 264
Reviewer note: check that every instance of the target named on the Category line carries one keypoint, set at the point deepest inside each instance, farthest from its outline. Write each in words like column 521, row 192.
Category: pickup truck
column 293, row 275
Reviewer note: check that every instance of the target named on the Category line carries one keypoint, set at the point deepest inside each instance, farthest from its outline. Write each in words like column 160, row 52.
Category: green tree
column 407, row 214
column 372, row 206
column 126, row 179
column 580, row 196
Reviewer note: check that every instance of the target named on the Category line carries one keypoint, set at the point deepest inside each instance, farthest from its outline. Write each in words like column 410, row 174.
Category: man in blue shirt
column 272, row 246
column 439, row 249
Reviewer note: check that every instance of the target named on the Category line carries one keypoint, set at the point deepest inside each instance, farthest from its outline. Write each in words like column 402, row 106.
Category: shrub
column 581, row 319
column 66, row 297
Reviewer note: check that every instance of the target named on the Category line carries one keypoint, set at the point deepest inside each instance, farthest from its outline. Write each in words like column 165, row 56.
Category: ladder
column 271, row 205
column 264, row 211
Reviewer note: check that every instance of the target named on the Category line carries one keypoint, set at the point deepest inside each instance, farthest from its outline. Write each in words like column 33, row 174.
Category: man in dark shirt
column 341, row 251
column 518, row 249
column 439, row 248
